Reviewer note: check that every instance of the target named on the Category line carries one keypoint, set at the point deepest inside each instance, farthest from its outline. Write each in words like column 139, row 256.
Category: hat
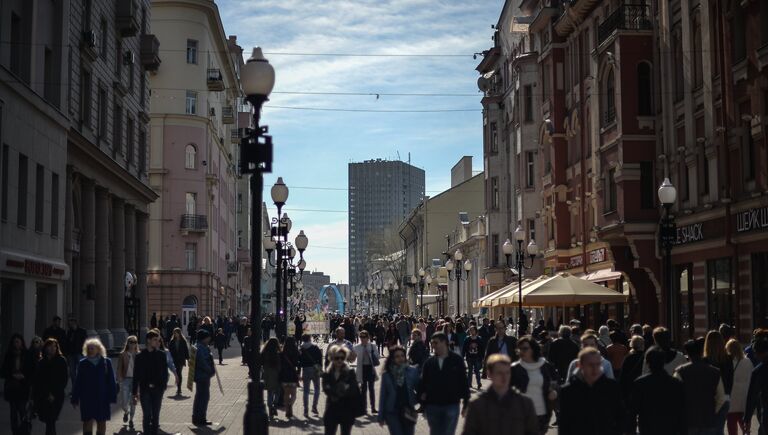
column 202, row 334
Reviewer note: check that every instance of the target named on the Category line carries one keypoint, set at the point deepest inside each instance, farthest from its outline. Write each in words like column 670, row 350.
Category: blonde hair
column 128, row 342
column 97, row 343
column 497, row 358
column 587, row 351
column 333, row 351
column 733, row 347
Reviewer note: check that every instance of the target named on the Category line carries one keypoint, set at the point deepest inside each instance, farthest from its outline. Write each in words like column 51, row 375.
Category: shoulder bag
column 374, row 359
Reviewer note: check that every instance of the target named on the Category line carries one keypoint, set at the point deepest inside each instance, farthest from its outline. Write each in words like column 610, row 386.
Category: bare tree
column 385, row 258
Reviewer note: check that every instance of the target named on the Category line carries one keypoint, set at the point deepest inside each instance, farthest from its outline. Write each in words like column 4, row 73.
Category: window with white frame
column 191, row 106
column 190, row 157
column 529, row 168
column 190, row 256
column 191, row 51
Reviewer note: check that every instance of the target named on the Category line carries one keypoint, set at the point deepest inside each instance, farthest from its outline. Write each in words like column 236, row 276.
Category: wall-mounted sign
column 576, row 261
column 752, row 219
column 689, row 233
column 597, row 256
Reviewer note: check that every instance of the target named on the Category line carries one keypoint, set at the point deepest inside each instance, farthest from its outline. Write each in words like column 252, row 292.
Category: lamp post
column 428, row 283
column 668, row 236
column 455, row 264
column 422, row 275
column 257, row 78
column 520, row 265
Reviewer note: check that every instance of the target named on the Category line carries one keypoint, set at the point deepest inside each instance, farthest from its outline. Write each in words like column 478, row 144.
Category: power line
column 377, row 94
column 282, row 53
column 328, row 109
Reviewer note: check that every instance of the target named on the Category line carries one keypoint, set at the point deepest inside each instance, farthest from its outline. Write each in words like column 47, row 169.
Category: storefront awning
column 603, row 275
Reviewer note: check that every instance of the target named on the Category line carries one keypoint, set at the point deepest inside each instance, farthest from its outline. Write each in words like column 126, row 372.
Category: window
column 103, row 113
column 609, row 101
column 760, row 287
column 684, row 284
column 190, row 256
column 610, row 191
column 696, row 52
column 764, row 24
column 142, row 89
column 738, row 33
column 190, row 157
column 714, row 40
column 191, row 51
column 50, row 85
column 191, row 108
column 530, row 163
column 129, row 140
column 4, row 184
column 545, row 82
column 495, row 193
column 87, row 7
column 190, row 201
column 720, row 292
column 142, row 152
column 239, row 202
column 647, row 185
column 748, row 153
column 495, row 250
column 104, row 32
column 117, row 128
column 54, row 204
column 644, row 91
column 39, row 197
column 118, row 58
column 21, row 209
column 131, row 74
column 677, row 61
column 531, row 229
column 16, row 44
column 528, row 103
column 85, row 97
column 494, row 136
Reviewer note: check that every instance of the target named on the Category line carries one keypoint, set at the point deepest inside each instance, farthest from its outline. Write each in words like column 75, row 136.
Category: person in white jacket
column 742, row 375
column 367, row 361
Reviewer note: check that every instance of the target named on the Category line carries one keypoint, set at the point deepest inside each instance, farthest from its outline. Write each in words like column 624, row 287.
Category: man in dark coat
column 73, row 346
column 150, row 379
column 657, row 401
column 501, row 343
column 443, row 386
column 704, row 391
column 55, row 331
column 562, row 351
column 591, row 402
column 757, row 397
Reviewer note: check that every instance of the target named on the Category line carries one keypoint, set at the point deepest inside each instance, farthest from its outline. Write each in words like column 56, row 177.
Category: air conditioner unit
column 128, row 58
column 89, row 38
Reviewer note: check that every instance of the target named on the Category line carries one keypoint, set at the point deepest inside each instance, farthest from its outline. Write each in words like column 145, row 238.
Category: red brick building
column 632, row 93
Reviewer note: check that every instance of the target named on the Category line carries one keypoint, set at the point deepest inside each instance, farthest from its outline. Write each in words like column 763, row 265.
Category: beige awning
column 485, row 301
column 602, row 275
column 511, row 297
column 566, row 289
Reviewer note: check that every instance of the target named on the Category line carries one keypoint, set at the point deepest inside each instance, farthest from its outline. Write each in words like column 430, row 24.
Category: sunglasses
column 338, row 358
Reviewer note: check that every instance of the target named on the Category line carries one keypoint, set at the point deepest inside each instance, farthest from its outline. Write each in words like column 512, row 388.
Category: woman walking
column 289, row 374
column 742, row 375
column 51, row 377
column 220, row 341
column 397, row 397
column 365, row 370
column 536, row 379
column 125, row 364
column 18, row 375
column 381, row 333
column 94, row 388
column 344, row 399
column 179, row 349
column 714, row 354
column 392, row 338
column 270, row 358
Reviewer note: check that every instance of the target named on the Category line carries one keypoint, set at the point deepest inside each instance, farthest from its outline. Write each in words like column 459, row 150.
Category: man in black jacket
column 757, row 397
column 473, row 352
column 657, row 400
column 55, row 331
column 501, row 343
column 562, row 351
column 73, row 347
column 591, row 402
column 703, row 387
column 443, row 385
column 150, row 378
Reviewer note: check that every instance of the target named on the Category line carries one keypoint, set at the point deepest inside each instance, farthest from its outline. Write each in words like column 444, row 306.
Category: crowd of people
column 607, row 381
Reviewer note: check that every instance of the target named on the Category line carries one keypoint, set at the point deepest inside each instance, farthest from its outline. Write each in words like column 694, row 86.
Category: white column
column 141, row 267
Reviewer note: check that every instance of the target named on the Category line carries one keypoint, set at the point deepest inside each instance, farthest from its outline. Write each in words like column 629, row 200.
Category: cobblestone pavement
column 225, row 411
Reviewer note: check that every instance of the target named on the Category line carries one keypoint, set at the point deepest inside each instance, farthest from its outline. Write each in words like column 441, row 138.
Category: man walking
column 757, row 396
column 368, row 360
column 501, row 343
column 73, row 346
column 55, row 330
column 404, row 330
column 501, row 409
column 150, row 378
column 443, row 386
column 704, row 391
column 562, row 351
column 204, row 371
column 473, row 352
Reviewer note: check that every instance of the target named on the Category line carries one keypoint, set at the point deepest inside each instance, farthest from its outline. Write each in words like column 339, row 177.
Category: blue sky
column 312, row 148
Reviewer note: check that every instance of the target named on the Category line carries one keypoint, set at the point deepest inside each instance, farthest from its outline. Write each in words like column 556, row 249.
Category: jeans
column 221, row 356
column 179, row 372
column 369, row 380
column 442, row 419
column 151, row 399
column 200, row 404
column 330, row 428
column 72, row 360
column 272, row 397
column 721, row 417
column 126, row 398
column 18, row 409
column 474, row 366
column 398, row 425
column 308, row 375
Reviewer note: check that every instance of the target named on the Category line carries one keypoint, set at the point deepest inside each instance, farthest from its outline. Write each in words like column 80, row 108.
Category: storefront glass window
column 684, row 278
column 760, row 289
column 720, row 291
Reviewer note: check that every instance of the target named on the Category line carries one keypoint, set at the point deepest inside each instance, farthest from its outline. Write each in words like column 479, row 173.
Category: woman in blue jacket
column 397, row 397
column 95, row 387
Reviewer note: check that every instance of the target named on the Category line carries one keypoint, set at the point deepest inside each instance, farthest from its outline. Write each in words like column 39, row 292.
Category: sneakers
column 125, row 417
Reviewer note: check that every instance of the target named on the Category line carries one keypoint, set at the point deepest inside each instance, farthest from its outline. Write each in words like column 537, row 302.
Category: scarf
column 398, row 373
column 94, row 360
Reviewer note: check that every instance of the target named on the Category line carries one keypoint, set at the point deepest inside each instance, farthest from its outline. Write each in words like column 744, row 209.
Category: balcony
column 194, row 223
column 215, row 80
column 227, row 115
column 150, row 52
column 232, row 267
column 126, row 18
column 235, row 135
column 88, row 44
column 626, row 17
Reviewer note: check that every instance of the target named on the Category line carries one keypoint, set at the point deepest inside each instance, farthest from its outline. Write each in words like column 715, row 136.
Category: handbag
column 374, row 359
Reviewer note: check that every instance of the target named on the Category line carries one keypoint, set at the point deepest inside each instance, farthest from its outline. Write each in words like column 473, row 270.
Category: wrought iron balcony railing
column 194, row 222
column 626, row 17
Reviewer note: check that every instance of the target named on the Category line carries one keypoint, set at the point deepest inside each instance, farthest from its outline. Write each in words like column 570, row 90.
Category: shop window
column 760, row 290
column 720, row 292
column 684, row 283
column 610, row 189
column 644, row 90
column 738, row 33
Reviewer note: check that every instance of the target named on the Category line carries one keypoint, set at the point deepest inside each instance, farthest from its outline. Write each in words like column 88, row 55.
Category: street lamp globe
column 390, row 283
column 257, row 76
column 449, row 265
column 301, row 241
column 414, row 280
column 667, row 193
column 302, row 265
column 519, row 233
column 458, row 255
column 428, row 279
column 269, row 244
column 533, row 249
column 467, row 266
column 279, row 192
column 422, row 272
column 508, row 248
column 292, row 252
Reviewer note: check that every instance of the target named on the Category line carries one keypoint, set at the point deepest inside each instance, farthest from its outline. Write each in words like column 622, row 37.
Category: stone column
column 102, row 299
column 70, row 288
column 130, row 242
column 87, row 257
column 117, row 295
column 141, row 268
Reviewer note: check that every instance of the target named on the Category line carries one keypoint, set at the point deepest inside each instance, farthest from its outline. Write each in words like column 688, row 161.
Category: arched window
column 609, row 98
column 190, row 159
column 644, row 89
column 698, row 75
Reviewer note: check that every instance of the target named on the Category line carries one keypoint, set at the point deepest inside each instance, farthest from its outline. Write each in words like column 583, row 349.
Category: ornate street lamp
column 257, row 78
column 668, row 236
column 520, row 265
column 458, row 265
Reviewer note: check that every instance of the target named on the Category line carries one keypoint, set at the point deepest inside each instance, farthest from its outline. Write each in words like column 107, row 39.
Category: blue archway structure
column 323, row 298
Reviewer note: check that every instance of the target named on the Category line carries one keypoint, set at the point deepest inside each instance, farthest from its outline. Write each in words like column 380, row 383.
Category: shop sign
column 32, row 267
column 689, row 233
column 752, row 219
column 576, row 261
column 597, row 256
